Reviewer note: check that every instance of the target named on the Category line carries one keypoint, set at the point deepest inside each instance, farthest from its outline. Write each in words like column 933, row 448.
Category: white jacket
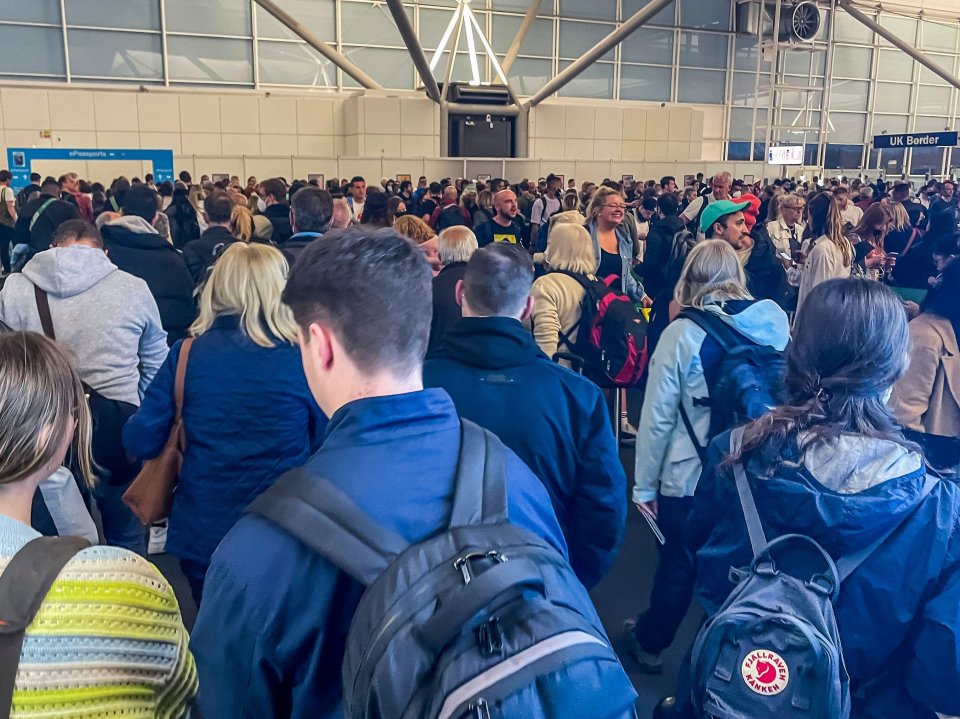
column 824, row 262
column 666, row 458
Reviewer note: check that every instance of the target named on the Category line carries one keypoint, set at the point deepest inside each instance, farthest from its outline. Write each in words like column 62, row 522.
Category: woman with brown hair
column 831, row 254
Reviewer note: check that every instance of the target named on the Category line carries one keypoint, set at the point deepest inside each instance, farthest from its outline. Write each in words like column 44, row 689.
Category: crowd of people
column 340, row 340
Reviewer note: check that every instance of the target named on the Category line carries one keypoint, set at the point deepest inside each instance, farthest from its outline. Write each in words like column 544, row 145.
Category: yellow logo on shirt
column 512, row 239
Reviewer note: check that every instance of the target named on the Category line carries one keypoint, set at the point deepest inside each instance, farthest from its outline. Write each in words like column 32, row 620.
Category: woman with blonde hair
column 614, row 248
column 248, row 413
column 675, row 421
column 420, row 232
column 108, row 639
column 483, row 211
column 241, row 223
column 556, row 311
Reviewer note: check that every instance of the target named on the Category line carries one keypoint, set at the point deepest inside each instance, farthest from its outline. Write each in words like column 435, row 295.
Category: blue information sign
column 20, row 159
column 922, row 139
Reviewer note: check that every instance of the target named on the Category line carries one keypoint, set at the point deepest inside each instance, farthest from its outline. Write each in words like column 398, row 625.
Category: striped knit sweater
column 108, row 640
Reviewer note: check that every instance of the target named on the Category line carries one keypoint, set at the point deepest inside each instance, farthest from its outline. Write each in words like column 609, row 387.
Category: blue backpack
column 482, row 621
column 773, row 648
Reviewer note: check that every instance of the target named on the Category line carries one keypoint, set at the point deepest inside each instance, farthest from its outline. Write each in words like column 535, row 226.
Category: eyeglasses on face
column 615, row 207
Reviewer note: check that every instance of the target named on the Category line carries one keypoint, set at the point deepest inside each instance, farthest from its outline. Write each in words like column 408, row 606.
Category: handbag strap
column 23, row 586
column 178, row 387
column 43, row 308
column 913, row 236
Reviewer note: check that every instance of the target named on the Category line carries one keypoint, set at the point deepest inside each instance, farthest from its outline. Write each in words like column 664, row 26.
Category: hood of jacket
column 668, row 225
column 760, row 321
column 134, row 224
column 68, row 271
column 491, row 343
column 846, row 493
column 121, row 234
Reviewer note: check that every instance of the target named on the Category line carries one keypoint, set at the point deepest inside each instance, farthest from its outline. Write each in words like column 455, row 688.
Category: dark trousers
column 194, row 572
column 6, row 238
column 673, row 584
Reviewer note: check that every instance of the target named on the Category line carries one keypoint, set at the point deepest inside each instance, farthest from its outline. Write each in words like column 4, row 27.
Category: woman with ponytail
column 831, row 254
column 832, row 464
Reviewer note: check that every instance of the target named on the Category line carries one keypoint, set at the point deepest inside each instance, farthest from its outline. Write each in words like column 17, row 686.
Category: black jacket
column 184, row 225
column 159, row 264
column 657, row 278
column 766, row 278
column 446, row 311
column 554, row 419
column 41, row 236
column 296, row 244
column 200, row 254
column 279, row 216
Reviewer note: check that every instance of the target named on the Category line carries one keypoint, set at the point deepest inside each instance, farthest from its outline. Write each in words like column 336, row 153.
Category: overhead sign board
column 20, row 159
column 785, row 155
column 922, row 139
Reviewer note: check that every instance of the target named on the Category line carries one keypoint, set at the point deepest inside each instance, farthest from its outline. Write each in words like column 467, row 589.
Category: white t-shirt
column 358, row 209
column 537, row 216
column 852, row 214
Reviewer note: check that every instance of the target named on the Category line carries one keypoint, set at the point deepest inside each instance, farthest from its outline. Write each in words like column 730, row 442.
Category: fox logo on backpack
column 611, row 335
column 481, row 621
column 773, row 649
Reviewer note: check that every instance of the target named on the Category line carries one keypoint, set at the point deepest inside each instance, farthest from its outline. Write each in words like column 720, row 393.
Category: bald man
column 505, row 225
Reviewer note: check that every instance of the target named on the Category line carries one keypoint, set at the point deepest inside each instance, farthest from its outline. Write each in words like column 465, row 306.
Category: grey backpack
column 773, row 648
column 481, row 621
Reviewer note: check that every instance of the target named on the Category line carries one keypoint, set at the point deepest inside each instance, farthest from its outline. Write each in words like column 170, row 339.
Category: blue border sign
column 20, row 160
column 922, row 139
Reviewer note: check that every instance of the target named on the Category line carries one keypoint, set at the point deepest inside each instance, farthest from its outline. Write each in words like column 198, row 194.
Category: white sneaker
column 158, row 538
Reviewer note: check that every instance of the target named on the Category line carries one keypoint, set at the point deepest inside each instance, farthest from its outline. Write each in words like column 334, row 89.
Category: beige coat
column 927, row 399
column 556, row 309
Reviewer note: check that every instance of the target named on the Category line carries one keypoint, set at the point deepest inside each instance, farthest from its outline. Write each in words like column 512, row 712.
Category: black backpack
column 683, row 241
column 484, row 619
column 611, row 342
column 450, row 216
column 744, row 384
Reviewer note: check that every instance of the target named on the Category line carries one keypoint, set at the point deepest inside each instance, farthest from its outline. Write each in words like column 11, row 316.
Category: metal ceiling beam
column 521, row 36
column 598, row 50
column 414, row 48
column 890, row 37
column 314, row 41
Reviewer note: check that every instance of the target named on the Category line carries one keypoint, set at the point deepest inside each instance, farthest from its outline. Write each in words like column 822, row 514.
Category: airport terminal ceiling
column 831, row 95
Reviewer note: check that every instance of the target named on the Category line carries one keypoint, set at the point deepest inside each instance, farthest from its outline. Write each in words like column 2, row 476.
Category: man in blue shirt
column 554, row 419
column 270, row 637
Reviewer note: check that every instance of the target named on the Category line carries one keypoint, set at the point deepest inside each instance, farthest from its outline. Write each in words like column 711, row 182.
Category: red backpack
column 611, row 342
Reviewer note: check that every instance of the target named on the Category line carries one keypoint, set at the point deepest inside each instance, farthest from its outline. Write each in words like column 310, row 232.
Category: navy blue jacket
column 270, row 637
column 554, row 419
column 249, row 417
column 899, row 613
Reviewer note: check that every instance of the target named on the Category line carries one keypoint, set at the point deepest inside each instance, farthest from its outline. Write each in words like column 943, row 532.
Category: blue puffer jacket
column 899, row 613
column 249, row 417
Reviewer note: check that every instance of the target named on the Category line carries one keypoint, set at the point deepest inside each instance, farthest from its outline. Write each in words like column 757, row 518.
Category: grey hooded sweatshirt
column 108, row 318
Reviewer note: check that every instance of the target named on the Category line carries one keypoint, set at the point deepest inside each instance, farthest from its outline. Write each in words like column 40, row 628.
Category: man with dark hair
column 358, row 197
column 547, row 206
column 185, row 178
column 70, row 187
column 270, row 637
column 310, row 212
column 29, row 192
column 136, row 247
column 277, row 210
column 39, row 219
column 661, row 275
column 555, row 420
column 850, row 213
column 668, row 184
column 430, row 202
column 201, row 254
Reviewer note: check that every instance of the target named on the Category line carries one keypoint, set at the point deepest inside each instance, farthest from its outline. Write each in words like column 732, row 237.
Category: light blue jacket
column 666, row 458
column 631, row 288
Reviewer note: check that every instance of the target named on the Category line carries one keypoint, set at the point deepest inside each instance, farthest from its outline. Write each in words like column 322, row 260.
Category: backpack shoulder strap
column 23, row 586
column 724, row 335
column 326, row 520
column 43, row 308
column 849, row 564
column 39, row 212
column 480, row 494
column 758, row 540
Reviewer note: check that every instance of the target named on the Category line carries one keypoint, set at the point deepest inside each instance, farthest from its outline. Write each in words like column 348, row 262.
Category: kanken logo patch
column 765, row 672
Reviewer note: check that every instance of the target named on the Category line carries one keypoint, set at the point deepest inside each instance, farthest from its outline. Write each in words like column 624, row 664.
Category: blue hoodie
column 899, row 613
